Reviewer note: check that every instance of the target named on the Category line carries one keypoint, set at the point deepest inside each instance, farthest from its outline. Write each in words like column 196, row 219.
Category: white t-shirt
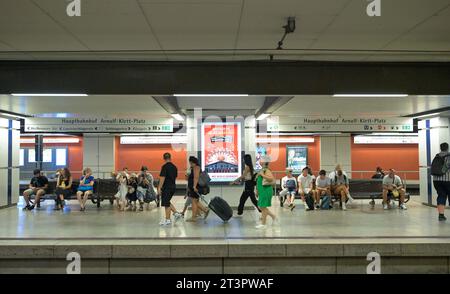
column 285, row 179
column 326, row 182
column 396, row 180
column 305, row 183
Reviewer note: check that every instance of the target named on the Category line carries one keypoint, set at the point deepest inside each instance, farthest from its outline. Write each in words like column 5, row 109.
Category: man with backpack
column 339, row 186
column 440, row 170
column 393, row 186
column 289, row 188
column 305, row 185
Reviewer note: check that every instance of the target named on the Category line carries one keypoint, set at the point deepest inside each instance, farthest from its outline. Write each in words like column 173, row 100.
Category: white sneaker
column 385, row 206
column 403, row 206
column 177, row 216
column 260, row 226
column 343, row 206
column 350, row 199
column 165, row 222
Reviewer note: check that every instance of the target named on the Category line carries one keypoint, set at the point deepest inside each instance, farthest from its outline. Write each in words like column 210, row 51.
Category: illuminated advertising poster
column 221, row 150
column 296, row 157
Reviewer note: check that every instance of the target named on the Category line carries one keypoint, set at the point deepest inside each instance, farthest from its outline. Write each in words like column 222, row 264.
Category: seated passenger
column 289, row 189
column 145, row 190
column 323, row 185
column 85, row 188
column 393, row 187
column 131, row 195
column 314, row 191
column 121, row 195
column 38, row 187
column 63, row 188
column 305, row 185
column 339, row 186
column 332, row 176
column 379, row 173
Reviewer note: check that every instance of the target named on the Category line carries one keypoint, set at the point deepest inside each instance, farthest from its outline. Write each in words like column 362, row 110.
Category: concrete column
column 432, row 132
column 99, row 154
column 250, row 136
column 230, row 193
column 9, row 162
column 336, row 149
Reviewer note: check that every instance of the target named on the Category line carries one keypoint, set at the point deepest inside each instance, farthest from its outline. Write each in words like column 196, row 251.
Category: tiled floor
column 359, row 221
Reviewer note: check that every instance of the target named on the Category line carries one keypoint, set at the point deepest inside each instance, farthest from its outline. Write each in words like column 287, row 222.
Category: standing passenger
column 248, row 176
column 264, row 186
column 442, row 183
column 166, row 188
column 193, row 189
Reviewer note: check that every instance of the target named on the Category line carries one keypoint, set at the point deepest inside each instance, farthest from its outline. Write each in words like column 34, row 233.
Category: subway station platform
column 334, row 241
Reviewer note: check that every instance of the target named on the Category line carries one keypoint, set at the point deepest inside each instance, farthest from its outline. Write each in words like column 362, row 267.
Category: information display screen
column 296, row 158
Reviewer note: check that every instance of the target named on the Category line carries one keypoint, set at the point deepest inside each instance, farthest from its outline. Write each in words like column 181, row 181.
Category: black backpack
column 438, row 166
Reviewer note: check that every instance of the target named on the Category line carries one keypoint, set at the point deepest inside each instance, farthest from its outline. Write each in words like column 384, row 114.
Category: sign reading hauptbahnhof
column 98, row 125
column 339, row 124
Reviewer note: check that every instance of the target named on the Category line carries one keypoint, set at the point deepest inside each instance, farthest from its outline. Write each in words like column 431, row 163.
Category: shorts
column 65, row 192
column 337, row 190
column 31, row 192
column 85, row 189
column 305, row 193
column 166, row 196
column 443, row 191
column 193, row 194
column 286, row 192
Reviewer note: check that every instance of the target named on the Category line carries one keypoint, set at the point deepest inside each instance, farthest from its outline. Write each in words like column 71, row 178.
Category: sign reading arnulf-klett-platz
column 98, row 125
column 339, row 124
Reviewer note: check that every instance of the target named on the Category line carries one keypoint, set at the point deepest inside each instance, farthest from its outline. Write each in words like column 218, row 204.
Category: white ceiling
column 115, row 105
column 146, row 106
column 360, row 106
column 29, row 29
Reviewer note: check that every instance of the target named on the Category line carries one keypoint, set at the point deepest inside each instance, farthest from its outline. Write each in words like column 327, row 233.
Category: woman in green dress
column 265, row 193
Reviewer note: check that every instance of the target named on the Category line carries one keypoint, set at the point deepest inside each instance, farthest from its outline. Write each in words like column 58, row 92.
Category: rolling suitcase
column 221, row 208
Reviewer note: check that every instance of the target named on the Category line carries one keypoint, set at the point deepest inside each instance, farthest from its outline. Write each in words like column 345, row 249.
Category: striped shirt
column 445, row 177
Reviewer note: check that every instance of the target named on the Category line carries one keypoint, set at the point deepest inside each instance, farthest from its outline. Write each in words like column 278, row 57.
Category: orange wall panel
column 135, row 156
column 401, row 157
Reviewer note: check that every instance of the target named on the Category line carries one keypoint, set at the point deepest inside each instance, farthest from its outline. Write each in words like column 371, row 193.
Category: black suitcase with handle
column 221, row 208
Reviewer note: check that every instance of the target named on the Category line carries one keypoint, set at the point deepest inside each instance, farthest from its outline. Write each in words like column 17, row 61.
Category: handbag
column 266, row 182
column 395, row 193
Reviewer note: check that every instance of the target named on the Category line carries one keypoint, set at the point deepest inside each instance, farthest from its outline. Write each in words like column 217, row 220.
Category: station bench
column 104, row 189
column 360, row 189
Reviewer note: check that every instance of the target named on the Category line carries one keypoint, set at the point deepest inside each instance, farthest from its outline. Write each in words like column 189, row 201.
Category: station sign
column 386, row 140
column 137, row 140
column 98, row 125
column 339, row 124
